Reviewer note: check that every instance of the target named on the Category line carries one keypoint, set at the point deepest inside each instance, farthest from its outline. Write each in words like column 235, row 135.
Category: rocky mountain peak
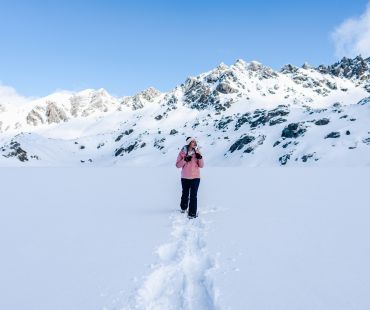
column 306, row 66
column 289, row 68
column 356, row 68
column 222, row 67
column 240, row 64
column 139, row 100
column 150, row 93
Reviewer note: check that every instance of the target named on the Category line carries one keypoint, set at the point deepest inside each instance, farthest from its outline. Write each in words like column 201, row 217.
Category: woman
column 190, row 160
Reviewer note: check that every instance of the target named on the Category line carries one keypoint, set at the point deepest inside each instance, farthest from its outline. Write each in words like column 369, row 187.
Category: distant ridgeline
column 243, row 114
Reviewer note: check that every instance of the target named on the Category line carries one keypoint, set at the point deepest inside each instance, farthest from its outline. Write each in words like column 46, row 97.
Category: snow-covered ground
column 112, row 238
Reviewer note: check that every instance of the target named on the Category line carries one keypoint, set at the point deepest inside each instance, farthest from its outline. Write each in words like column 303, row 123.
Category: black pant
column 192, row 186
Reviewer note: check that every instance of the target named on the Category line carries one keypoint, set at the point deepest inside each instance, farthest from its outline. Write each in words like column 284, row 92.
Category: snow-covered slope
column 242, row 114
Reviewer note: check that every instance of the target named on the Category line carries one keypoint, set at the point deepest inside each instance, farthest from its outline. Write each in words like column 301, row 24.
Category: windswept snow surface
column 180, row 280
column 113, row 239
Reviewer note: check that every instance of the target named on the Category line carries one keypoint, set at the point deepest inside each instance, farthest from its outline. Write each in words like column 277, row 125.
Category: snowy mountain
column 242, row 114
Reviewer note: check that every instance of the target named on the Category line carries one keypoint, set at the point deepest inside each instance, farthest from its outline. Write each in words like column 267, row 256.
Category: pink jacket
column 190, row 170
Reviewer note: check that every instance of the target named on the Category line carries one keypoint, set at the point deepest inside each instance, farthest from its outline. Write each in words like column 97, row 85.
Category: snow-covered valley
column 113, row 238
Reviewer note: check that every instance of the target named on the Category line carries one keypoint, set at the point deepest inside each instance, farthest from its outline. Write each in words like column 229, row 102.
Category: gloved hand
column 198, row 156
column 187, row 158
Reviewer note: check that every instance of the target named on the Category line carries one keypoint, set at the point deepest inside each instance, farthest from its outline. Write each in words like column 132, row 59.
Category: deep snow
column 112, row 238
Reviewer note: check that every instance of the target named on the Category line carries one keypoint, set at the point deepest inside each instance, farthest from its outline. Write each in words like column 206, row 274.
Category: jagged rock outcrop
column 88, row 102
column 34, row 117
column 140, row 99
column 54, row 114
column 333, row 135
column 321, row 122
column 357, row 68
column 293, row 130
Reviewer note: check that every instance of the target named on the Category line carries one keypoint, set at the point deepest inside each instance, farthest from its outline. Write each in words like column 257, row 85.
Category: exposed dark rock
column 331, row 85
column 289, row 69
column 225, row 88
column 16, row 151
column 321, row 122
column 261, row 116
column 337, row 105
column 197, row 94
column 128, row 149
column 223, row 123
column 334, row 134
column 241, row 142
column 308, row 156
column 346, row 67
column 158, row 143
column 245, row 118
column 249, row 149
column 348, row 132
column 280, row 110
column 227, row 104
column 170, row 101
column 293, row 130
column 200, row 94
column 125, row 133
column 284, row 159
column 173, row 132
column 277, row 121
column 366, row 141
column 364, row 101
column 312, row 111
column 158, row 117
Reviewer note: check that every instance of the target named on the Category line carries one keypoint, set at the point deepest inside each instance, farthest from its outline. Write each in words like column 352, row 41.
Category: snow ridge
column 242, row 114
column 181, row 279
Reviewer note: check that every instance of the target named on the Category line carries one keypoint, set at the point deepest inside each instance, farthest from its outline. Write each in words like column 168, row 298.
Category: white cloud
column 8, row 95
column 352, row 37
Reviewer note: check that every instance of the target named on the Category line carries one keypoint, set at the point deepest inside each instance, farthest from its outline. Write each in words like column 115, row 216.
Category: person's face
column 193, row 144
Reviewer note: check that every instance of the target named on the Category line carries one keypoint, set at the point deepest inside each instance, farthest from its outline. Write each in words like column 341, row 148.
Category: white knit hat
column 188, row 140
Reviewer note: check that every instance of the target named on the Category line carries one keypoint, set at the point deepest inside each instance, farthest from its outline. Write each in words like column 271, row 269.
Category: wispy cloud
column 8, row 95
column 352, row 37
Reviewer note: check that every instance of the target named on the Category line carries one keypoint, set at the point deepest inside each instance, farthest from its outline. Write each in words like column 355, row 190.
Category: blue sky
column 127, row 46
